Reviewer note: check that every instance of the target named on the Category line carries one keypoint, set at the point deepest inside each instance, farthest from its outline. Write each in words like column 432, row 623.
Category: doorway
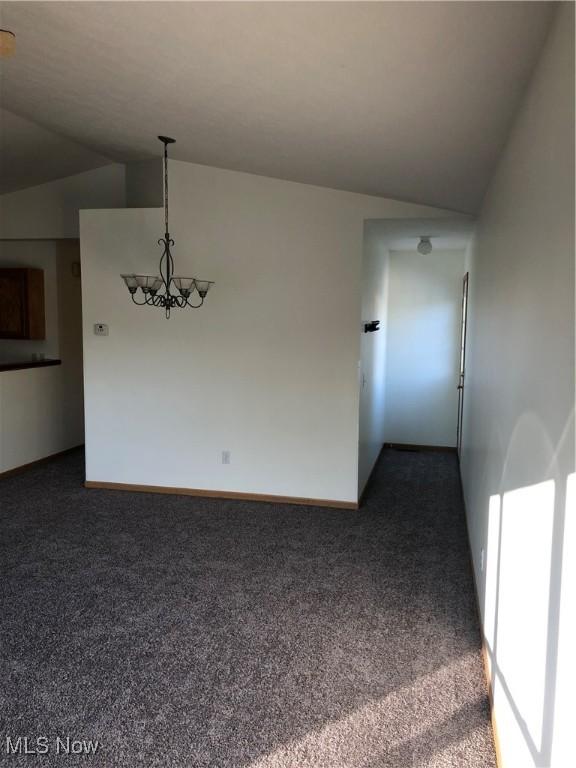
column 42, row 382
column 411, row 370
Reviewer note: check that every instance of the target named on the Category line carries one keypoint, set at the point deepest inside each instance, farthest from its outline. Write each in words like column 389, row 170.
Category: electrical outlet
column 100, row 329
column 482, row 559
column 225, row 457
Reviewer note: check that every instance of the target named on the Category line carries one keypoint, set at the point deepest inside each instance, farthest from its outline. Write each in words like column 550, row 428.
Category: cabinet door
column 35, row 320
column 22, row 303
column 13, row 301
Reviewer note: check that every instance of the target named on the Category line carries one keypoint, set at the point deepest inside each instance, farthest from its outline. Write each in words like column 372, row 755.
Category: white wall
column 36, row 416
column 51, row 210
column 41, row 409
column 268, row 369
column 375, row 268
column 518, row 455
column 422, row 352
column 144, row 184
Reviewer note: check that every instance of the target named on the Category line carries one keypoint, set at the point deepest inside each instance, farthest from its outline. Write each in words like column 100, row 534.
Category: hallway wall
column 375, row 273
column 518, row 452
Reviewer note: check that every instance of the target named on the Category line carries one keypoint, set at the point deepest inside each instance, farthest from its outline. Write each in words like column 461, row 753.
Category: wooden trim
column 367, row 483
column 44, row 460
column 484, row 649
column 23, row 364
column 416, row 447
column 210, row 494
column 486, row 662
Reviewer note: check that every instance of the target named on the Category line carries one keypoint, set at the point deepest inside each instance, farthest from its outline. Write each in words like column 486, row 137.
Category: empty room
column 287, row 384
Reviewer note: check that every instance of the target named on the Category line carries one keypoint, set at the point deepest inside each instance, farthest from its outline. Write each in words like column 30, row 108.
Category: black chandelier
column 157, row 289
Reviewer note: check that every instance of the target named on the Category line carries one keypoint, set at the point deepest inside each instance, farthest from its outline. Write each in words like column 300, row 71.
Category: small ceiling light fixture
column 158, row 290
column 424, row 246
column 7, row 43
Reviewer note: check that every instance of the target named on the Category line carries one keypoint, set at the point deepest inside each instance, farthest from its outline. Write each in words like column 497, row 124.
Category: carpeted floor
column 197, row 633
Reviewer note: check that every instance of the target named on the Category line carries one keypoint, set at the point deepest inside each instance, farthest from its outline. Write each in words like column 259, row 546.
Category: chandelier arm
column 195, row 306
column 162, row 261
column 170, row 261
column 138, row 303
column 166, row 263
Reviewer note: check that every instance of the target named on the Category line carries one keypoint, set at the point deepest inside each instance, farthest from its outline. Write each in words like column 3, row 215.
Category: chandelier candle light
column 165, row 290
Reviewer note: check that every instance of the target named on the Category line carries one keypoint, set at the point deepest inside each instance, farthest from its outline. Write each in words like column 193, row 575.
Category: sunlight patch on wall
column 522, row 589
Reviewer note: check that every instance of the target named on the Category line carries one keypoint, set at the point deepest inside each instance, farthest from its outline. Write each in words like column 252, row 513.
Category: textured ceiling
column 408, row 100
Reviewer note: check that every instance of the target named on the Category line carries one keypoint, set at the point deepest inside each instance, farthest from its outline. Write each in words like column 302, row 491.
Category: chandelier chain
column 166, row 188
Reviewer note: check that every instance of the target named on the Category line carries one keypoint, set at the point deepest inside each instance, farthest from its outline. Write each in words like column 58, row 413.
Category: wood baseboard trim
column 209, row 494
column 486, row 662
column 43, row 460
column 416, row 447
column 484, row 648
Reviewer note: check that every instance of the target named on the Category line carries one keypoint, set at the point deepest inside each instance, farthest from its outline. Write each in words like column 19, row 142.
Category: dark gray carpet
column 192, row 633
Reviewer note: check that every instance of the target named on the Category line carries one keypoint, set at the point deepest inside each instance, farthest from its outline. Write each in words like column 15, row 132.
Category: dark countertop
column 19, row 365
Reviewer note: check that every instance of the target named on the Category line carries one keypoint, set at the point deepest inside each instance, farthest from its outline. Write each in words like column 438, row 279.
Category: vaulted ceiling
column 410, row 100
column 31, row 154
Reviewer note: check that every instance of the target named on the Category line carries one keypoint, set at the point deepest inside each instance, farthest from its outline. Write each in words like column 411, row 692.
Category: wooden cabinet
column 22, row 303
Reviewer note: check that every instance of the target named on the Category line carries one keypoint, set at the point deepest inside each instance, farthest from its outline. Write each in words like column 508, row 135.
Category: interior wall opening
column 411, row 370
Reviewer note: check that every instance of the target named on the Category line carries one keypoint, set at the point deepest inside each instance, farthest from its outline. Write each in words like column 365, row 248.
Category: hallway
column 181, row 631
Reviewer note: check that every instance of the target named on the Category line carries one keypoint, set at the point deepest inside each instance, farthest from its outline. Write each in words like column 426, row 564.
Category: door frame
column 462, row 368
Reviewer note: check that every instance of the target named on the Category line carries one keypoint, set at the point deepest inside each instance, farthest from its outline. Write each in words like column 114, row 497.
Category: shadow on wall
column 529, row 599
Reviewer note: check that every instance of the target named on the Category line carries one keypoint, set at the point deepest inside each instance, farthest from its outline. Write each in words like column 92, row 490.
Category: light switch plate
column 100, row 329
